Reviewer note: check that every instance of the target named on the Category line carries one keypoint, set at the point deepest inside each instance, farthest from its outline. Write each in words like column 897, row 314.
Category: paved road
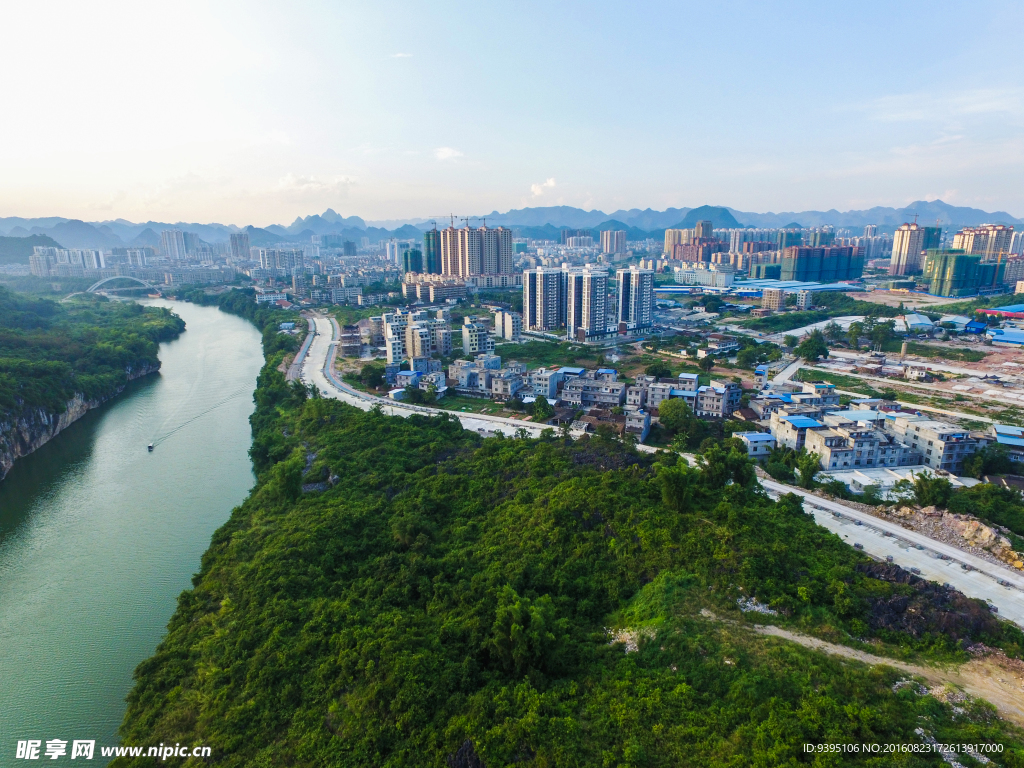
column 295, row 369
column 901, row 545
column 786, row 373
column 319, row 362
column 981, row 582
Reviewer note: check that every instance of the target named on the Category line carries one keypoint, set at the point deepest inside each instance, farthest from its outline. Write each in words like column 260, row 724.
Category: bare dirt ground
column 894, row 298
column 990, row 675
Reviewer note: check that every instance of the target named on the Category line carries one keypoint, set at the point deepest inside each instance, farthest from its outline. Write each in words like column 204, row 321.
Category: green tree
column 372, row 375
column 991, row 460
column 932, row 491
column 812, row 347
column 658, row 369
column 748, row 358
column 809, row 465
column 833, row 331
column 790, row 340
column 854, row 333
column 525, row 632
column 541, row 409
column 882, row 332
column 706, row 363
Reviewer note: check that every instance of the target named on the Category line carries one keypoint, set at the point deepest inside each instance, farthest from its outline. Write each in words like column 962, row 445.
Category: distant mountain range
column 539, row 223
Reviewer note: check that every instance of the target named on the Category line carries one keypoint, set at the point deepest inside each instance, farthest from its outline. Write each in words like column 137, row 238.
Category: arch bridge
column 97, row 285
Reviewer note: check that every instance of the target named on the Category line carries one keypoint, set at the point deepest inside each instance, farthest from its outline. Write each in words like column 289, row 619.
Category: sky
column 258, row 112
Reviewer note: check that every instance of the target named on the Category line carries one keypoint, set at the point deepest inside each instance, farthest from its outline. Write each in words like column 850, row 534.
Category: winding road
column 880, row 538
column 317, row 367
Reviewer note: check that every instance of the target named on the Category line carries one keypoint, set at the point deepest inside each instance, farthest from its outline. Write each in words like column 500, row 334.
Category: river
column 98, row 537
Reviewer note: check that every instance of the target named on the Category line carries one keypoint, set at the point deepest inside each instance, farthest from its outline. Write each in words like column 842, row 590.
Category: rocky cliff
column 31, row 429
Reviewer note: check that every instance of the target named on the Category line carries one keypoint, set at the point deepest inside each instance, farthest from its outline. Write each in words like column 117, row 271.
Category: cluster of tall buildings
column 460, row 253
column 578, row 301
column 909, row 242
column 981, row 258
column 65, row 262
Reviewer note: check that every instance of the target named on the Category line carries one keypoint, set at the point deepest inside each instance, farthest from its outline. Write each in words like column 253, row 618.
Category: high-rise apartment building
column 704, row 229
column 172, row 243
column 988, row 240
column 957, row 273
column 674, row 237
column 871, row 230
column 907, row 247
column 1014, row 270
column 432, row 251
column 469, row 251
column 412, row 260
column 636, row 297
column 192, row 242
column 544, row 296
column 240, row 246
column 613, row 241
column 586, row 304
column 822, row 264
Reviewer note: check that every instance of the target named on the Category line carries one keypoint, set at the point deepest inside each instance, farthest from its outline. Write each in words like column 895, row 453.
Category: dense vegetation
column 828, row 304
column 401, row 592
column 50, row 351
column 265, row 317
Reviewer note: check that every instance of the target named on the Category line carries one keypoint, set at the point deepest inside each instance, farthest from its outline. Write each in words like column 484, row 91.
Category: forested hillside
column 50, row 352
column 399, row 592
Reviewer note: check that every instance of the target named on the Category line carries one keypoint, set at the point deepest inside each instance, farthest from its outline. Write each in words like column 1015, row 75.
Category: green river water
column 98, row 536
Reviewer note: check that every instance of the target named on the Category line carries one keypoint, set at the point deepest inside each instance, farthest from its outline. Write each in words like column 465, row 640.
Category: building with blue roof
column 1006, row 336
column 759, row 444
column 791, row 430
column 1012, row 438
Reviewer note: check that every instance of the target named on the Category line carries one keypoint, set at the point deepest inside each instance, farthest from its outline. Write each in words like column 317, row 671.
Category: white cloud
column 311, row 185
column 538, row 189
column 909, row 107
column 401, row 56
column 446, row 153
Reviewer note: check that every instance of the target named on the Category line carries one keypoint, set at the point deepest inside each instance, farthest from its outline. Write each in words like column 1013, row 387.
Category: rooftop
column 803, row 422
column 755, row 437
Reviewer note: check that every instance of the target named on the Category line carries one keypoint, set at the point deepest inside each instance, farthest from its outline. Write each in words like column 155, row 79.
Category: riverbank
column 98, row 537
column 59, row 361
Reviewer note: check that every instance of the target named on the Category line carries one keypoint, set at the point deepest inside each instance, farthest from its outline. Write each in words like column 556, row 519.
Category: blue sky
column 257, row 112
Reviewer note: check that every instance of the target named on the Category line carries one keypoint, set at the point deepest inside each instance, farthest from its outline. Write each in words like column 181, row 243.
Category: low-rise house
column 1011, row 438
column 408, row 379
column 791, row 431
column 588, row 390
column 638, row 423
column 434, row 381
column 425, row 364
column 506, row 384
column 546, row 382
column 854, row 445
column 941, row 445
column 759, row 444
column 719, row 399
column 719, row 345
column 882, row 479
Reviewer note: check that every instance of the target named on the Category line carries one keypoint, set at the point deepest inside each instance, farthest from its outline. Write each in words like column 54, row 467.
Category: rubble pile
column 962, row 531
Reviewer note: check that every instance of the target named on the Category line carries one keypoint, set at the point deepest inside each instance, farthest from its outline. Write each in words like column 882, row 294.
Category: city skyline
column 254, row 114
